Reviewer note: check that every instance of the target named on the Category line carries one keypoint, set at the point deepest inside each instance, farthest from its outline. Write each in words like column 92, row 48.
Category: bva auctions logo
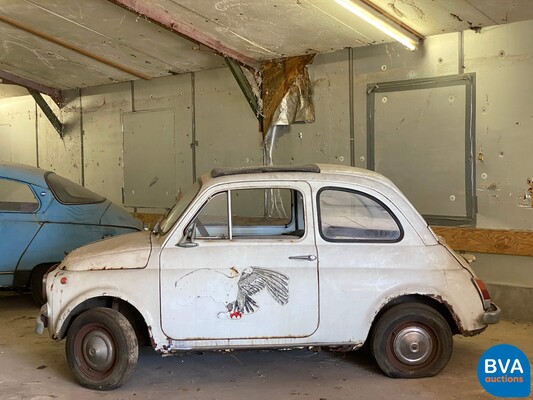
column 504, row 371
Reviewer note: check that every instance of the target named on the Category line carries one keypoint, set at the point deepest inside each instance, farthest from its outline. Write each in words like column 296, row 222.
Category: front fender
column 66, row 301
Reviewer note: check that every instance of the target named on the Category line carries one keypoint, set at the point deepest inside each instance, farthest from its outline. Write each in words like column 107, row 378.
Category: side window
column 275, row 213
column 353, row 216
column 255, row 213
column 212, row 220
column 17, row 197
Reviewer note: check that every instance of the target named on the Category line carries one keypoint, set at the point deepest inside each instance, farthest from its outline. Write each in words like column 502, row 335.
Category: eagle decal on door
column 252, row 281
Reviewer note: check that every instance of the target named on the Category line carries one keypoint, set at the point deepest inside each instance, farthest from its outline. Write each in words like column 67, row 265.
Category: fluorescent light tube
column 378, row 23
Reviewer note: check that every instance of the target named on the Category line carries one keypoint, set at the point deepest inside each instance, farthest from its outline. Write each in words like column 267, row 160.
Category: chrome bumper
column 42, row 320
column 492, row 315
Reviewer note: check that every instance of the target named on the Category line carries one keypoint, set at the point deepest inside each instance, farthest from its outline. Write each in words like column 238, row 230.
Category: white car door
column 254, row 275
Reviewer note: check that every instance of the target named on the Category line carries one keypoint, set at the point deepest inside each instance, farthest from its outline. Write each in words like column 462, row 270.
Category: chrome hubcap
column 98, row 351
column 412, row 345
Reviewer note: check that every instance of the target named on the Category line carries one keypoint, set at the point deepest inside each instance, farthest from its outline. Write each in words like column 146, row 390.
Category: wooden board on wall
column 492, row 241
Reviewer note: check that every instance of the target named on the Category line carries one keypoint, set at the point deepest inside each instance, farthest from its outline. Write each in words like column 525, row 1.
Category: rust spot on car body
column 456, row 319
column 151, row 337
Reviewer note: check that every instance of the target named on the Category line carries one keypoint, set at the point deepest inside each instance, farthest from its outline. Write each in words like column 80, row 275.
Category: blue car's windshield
column 173, row 215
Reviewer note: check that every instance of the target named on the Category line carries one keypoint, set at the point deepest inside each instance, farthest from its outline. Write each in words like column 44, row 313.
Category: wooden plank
column 492, row 241
column 149, row 220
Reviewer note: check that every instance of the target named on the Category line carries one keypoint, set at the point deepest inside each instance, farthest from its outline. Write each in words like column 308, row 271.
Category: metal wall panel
column 438, row 56
column 419, row 143
column 227, row 132
column 171, row 92
column 149, row 158
column 502, row 57
column 326, row 140
column 102, row 143
column 17, row 130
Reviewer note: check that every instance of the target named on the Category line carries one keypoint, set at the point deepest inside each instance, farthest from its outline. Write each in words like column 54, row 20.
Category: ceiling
column 54, row 45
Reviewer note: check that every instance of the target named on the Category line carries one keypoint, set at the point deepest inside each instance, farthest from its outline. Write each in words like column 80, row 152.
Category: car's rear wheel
column 411, row 341
column 102, row 349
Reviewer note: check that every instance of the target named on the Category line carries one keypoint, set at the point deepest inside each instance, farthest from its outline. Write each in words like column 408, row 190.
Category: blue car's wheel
column 36, row 282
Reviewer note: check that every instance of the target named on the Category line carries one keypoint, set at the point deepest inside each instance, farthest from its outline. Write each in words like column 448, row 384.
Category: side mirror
column 189, row 237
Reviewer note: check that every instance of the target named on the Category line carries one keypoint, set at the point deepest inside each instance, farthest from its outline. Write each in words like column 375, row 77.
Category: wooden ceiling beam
column 158, row 16
column 73, row 47
column 55, row 94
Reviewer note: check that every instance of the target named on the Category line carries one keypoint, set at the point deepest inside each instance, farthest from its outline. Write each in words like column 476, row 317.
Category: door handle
column 310, row 257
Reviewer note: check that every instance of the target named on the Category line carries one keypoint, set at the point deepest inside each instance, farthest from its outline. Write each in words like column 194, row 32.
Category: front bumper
column 42, row 320
column 492, row 315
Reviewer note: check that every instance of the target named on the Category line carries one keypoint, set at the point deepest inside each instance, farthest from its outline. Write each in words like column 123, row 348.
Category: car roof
column 22, row 172
column 325, row 173
column 307, row 171
column 216, row 172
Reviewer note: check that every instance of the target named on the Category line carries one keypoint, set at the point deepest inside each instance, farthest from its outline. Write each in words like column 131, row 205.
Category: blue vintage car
column 44, row 216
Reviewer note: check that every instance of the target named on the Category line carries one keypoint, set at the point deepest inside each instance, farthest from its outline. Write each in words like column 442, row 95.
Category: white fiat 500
column 315, row 255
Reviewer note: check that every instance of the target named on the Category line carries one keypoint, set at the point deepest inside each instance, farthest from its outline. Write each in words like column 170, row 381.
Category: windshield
column 68, row 192
column 173, row 215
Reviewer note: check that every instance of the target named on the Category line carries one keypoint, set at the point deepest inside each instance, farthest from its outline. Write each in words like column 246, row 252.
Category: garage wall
column 502, row 59
column 63, row 155
column 18, row 138
column 327, row 140
column 214, row 125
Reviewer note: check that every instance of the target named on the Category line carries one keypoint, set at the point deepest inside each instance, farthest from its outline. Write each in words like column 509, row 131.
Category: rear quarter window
column 68, row 192
column 352, row 216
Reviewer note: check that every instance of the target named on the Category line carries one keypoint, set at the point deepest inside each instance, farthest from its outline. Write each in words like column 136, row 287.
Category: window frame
column 368, row 196
column 469, row 83
column 30, row 187
column 228, row 191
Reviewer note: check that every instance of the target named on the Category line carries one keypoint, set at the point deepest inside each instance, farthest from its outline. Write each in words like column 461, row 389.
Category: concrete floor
column 34, row 367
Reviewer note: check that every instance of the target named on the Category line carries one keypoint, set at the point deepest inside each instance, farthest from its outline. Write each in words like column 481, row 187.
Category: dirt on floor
column 34, row 367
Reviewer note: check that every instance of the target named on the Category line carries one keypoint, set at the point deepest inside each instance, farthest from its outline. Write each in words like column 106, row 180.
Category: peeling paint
column 411, row 3
column 528, row 197
column 395, row 9
column 480, row 156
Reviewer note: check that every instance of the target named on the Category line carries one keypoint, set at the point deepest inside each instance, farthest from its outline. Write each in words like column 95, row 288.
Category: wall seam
column 82, row 134
column 461, row 66
column 36, row 135
column 193, row 125
column 351, row 105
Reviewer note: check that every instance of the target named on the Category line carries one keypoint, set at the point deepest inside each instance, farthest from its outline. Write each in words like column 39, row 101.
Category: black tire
column 411, row 341
column 101, row 349
column 36, row 282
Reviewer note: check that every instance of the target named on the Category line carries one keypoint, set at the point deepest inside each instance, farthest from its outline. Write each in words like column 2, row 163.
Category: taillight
column 483, row 292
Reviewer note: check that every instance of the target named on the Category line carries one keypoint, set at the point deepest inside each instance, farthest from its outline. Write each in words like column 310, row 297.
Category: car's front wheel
column 101, row 348
column 411, row 341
